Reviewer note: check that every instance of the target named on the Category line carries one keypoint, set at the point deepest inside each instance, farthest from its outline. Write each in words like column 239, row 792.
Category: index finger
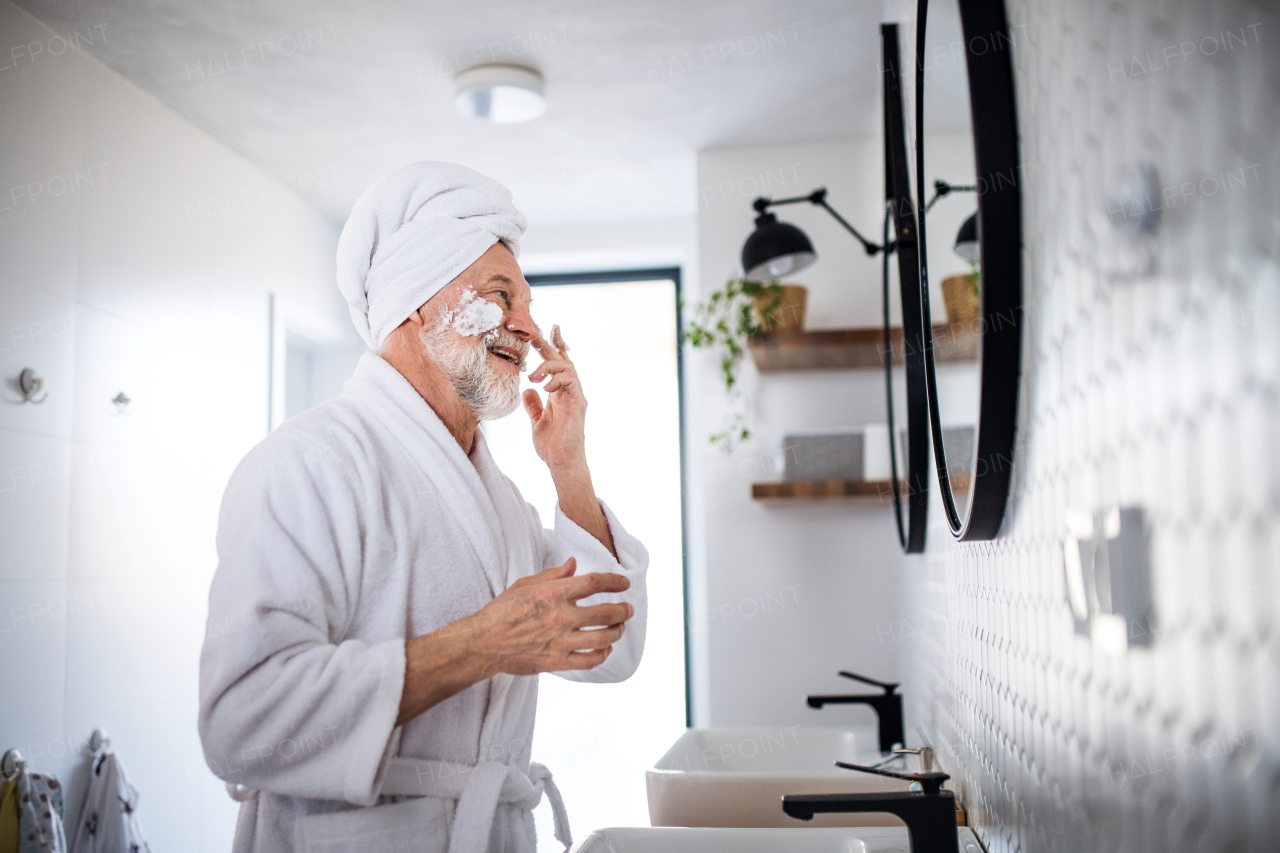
column 554, row 348
column 544, row 348
column 593, row 582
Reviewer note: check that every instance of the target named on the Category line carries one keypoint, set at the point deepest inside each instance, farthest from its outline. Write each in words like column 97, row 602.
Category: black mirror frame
column 995, row 137
column 900, row 211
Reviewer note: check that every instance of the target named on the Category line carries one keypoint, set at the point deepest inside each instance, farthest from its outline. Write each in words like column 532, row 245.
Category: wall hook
column 1141, row 205
column 1107, row 573
column 122, row 401
column 30, row 385
column 11, row 765
column 99, row 740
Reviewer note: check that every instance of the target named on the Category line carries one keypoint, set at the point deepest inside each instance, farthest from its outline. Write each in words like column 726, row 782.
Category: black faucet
column 930, row 814
column 887, row 705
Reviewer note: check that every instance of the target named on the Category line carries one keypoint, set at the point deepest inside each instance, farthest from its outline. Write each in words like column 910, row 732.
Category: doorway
column 598, row 739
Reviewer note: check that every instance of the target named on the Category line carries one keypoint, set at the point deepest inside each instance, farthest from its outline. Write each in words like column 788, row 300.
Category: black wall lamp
column 776, row 248
column 967, row 243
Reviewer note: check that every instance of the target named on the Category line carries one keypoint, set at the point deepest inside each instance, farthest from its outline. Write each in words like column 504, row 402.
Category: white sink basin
column 669, row 839
column 736, row 777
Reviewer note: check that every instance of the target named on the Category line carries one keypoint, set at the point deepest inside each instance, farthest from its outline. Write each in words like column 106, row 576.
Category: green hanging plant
column 725, row 321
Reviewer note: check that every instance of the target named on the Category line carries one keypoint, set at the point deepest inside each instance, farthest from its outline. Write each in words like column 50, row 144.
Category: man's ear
column 418, row 317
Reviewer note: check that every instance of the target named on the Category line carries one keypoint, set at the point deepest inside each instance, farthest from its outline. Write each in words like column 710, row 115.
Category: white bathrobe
column 350, row 529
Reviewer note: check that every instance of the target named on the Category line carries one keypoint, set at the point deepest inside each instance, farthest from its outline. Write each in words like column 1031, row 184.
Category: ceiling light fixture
column 503, row 94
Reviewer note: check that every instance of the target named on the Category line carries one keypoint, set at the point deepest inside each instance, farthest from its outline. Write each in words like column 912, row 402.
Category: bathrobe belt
column 478, row 789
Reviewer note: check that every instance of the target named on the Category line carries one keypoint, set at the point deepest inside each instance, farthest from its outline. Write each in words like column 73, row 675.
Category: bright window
column 598, row 739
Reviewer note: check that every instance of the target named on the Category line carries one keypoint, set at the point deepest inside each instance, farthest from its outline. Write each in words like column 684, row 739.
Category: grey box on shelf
column 826, row 455
column 958, row 442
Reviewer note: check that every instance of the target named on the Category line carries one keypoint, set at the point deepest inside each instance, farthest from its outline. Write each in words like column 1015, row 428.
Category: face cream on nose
column 474, row 316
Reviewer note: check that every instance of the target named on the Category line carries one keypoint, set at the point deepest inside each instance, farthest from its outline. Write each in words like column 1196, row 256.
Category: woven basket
column 960, row 294
column 789, row 315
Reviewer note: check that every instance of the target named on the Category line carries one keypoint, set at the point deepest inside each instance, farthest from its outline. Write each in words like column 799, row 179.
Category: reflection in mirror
column 963, row 58
column 951, row 238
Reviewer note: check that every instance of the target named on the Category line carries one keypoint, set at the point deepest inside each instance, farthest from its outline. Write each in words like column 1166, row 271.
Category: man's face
column 477, row 331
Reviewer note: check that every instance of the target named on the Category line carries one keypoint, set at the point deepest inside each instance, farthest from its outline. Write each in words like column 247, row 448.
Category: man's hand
column 560, row 439
column 534, row 626
column 558, row 428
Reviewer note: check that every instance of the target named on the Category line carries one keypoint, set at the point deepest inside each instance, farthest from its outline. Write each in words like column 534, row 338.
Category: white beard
column 489, row 393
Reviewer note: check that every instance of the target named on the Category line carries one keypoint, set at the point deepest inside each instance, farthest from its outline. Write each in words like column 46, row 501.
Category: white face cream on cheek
column 474, row 316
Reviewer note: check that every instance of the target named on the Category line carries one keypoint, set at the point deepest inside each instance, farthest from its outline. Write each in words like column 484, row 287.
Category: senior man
column 384, row 598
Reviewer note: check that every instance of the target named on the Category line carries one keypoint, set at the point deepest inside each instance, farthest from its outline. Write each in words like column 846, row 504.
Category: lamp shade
column 503, row 94
column 775, row 249
column 967, row 245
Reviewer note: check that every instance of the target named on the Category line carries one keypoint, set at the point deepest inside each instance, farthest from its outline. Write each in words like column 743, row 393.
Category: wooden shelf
column 845, row 349
column 882, row 490
column 823, row 490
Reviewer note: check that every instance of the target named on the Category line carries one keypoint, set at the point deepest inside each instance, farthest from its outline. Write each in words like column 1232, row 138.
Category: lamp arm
column 819, row 197
column 872, row 248
column 941, row 188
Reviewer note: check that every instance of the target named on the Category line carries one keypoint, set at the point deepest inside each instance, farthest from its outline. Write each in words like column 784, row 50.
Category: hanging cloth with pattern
column 40, row 814
column 109, row 822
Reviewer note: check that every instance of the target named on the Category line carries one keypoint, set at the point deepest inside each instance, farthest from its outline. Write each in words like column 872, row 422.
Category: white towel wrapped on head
column 412, row 233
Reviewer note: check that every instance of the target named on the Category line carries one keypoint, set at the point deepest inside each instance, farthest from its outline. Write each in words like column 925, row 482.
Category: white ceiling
column 635, row 88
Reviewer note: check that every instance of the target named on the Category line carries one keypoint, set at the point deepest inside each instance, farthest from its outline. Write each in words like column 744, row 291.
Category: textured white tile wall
column 1151, row 377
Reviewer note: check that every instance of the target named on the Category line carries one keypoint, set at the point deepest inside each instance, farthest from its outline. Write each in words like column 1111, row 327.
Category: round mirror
column 970, row 250
column 906, row 391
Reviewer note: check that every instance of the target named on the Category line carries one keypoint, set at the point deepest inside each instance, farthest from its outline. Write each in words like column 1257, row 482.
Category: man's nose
column 519, row 322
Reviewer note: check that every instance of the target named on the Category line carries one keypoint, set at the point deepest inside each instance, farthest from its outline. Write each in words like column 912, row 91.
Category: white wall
column 844, row 284
column 609, row 245
column 150, row 274
column 790, row 594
